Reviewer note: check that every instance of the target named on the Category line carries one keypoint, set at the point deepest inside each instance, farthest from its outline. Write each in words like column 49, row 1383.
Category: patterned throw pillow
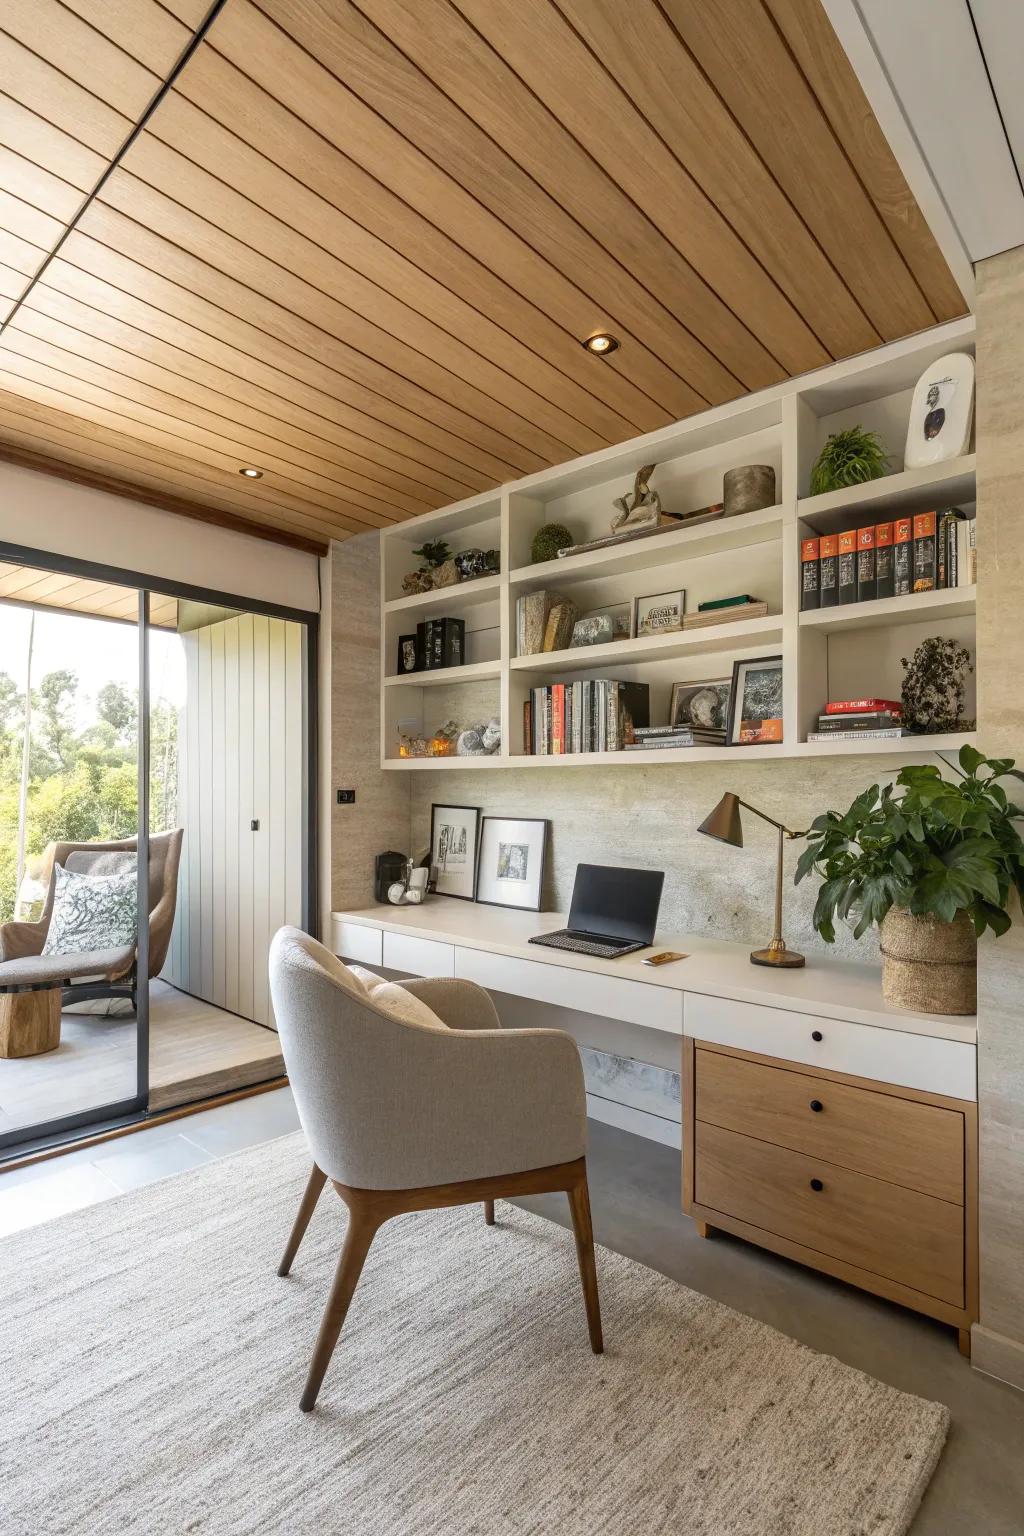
column 91, row 912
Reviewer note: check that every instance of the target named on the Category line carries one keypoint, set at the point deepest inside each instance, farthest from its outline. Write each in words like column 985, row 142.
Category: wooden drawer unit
column 913, row 1239
column 874, row 1184
column 917, row 1145
column 869, row 1051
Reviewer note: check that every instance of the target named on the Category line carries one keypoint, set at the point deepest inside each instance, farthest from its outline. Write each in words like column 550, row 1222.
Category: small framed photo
column 704, row 705
column 410, row 655
column 755, row 701
column 659, row 614
column 454, row 840
column 513, row 856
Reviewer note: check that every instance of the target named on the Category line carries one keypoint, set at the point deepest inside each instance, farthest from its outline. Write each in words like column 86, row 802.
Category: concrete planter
column 928, row 965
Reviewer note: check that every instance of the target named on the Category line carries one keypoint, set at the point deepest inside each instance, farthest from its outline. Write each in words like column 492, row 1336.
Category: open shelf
column 715, row 537
column 688, row 642
column 473, row 672
column 914, row 608
column 464, row 594
column 497, row 761
column 909, row 746
column 845, row 652
column 912, row 490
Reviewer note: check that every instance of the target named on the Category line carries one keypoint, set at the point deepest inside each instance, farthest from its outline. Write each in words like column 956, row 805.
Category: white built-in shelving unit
column 839, row 652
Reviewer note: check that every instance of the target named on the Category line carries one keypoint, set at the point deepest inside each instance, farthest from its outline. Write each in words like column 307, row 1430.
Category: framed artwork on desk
column 454, row 837
column 513, row 855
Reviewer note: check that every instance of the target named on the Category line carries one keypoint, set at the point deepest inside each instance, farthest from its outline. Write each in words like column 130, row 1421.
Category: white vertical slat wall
column 241, row 757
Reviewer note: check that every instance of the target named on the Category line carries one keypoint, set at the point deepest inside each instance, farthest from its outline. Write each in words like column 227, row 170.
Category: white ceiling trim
column 888, row 54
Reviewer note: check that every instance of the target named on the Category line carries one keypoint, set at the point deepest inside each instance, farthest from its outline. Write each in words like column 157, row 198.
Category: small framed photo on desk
column 454, row 832
column 513, row 855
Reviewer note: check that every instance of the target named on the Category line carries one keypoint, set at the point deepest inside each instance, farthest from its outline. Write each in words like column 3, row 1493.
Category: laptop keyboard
column 584, row 946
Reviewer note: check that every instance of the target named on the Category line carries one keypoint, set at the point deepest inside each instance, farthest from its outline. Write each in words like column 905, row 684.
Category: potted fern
column 850, row 457
column 932, row 862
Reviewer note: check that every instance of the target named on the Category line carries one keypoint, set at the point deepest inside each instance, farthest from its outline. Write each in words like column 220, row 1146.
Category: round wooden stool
column 30, row 1021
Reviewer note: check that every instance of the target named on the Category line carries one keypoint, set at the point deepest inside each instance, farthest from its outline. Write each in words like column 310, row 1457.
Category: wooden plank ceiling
column 357, row 245
column 31, row 587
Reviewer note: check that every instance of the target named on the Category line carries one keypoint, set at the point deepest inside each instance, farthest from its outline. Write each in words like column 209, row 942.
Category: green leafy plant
column 933, row 845
column 547, row 541
column 434, row 553
column 848, row 458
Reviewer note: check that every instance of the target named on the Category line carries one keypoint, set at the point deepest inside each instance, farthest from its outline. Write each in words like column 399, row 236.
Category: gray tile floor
column 978, row 1489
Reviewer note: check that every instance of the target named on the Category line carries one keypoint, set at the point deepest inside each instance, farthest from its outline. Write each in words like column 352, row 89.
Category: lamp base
column 778, row 955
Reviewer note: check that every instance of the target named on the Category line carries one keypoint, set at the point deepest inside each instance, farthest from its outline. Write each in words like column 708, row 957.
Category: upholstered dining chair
column 403, row 1115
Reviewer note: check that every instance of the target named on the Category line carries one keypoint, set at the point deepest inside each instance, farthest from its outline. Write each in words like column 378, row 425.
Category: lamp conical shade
column 724, row 822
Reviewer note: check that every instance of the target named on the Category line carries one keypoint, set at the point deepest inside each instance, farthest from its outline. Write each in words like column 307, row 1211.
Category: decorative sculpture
column 640, row 509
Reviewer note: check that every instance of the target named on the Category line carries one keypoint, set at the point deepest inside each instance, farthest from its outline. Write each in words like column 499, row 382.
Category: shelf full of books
column 928, row 552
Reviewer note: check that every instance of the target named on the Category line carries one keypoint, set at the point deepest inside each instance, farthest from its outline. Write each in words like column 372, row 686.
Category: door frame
column 124, row 1111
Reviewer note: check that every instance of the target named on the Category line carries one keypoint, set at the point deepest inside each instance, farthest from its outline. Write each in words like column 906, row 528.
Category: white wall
column 59, row 517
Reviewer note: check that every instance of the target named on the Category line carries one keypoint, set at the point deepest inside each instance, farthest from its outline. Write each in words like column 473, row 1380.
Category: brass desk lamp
column 725, row 825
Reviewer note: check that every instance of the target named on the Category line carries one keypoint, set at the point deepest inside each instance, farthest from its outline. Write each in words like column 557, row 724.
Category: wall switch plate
column 346, row 797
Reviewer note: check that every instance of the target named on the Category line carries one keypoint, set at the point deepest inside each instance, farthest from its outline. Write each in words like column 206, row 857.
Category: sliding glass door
column 161, row 741
column 70, row 1008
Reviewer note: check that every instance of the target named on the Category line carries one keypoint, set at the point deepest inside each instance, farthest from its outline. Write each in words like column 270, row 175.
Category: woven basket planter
column 929, row 965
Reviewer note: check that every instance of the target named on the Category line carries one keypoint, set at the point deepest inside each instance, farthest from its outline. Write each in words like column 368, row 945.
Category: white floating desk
column 714, row 995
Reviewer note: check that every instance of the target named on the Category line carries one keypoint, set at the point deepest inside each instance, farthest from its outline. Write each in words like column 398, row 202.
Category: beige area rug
column 151, row 1363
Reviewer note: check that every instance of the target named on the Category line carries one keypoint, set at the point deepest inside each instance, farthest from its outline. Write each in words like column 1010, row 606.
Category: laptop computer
column 614, row 912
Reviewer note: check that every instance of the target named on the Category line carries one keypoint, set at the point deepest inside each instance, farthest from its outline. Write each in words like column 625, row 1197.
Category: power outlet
column 346, row 797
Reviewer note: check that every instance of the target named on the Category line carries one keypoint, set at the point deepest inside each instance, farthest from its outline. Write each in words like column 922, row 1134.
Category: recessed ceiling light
column 601, row 344
column 250, row 472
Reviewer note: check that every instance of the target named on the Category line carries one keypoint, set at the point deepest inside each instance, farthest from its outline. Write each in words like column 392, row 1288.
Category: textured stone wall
column 999, row 1343
column 649, row 817
column 380, row 817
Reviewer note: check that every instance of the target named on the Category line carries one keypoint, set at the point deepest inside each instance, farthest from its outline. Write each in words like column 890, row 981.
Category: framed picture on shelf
column 454, row 839
column 410, row 655
column 660, row 613
column 755, row 701
column 702, row 705
column 513, row 856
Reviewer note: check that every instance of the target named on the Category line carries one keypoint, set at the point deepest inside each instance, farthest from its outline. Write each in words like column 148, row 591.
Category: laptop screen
column 616, row 903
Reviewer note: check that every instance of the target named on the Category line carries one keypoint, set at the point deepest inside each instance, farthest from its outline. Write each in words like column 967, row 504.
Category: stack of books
column 724, row 610
column 598, row 715
column 646, row 737
column 860, row 719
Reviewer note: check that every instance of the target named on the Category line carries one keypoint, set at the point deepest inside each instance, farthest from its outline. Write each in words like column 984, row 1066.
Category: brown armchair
column 105, row 973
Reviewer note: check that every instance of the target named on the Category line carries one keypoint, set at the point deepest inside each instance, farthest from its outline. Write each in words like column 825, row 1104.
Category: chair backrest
column 111, row 858
column 352, row 1067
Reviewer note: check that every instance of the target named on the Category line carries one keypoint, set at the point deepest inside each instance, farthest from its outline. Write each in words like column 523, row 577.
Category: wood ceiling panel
column 45, row 428
column 483, row 259
column 745, row 57
column 830, row 75
column 45, row 376
column 60, row 346
column 435, row 39
column 77, row 595
column 53, row 31
column 134, row 290
column 229, row 394
column 358, row 242
column 45, row 90
column 371, row 231
column 162, row 259
column 353, row 310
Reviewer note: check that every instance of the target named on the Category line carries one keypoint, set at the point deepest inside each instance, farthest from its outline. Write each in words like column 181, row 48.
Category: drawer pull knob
column 816, row 1184
column 817, row 1106
column 816, row 1034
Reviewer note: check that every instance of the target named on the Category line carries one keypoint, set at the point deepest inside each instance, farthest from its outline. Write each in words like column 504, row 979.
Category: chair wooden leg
column 489, row 1212
column 579, row 1205
column 362, row 1228
column 314, row 1187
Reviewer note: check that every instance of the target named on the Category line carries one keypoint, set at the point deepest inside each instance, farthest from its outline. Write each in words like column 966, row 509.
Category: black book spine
column 810, row 575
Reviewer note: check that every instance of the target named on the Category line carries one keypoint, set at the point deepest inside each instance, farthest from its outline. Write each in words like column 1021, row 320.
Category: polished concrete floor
column 978, row 1489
